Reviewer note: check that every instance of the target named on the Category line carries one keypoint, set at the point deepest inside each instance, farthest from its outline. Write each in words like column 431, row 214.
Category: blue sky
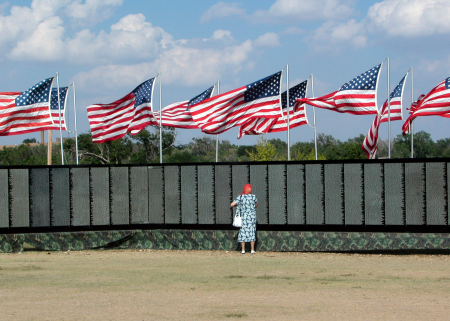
column 108, row 47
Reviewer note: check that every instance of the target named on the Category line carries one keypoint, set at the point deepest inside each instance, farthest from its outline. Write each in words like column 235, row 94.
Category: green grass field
column 214, row 285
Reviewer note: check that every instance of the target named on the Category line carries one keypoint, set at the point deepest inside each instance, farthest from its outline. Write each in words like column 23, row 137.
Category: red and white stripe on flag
column 26, row 112
column 435, row 103
column 396, row 110
column 358, row 96
column 176, row 115
column 259, row 126
column 261, row 99
column 370, row 143
column 131, row 113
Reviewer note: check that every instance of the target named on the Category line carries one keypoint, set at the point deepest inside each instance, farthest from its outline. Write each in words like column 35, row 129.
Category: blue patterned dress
column 246, row 206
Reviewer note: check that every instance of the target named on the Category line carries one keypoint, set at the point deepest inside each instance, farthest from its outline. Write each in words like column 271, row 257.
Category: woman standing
column 247, row 204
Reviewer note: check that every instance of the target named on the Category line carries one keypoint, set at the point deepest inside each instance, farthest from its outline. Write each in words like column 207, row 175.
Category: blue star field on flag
column 447, row 83
column 204, row 95
column 39, row 93
column 365, row 81
column 397, row 92
column 62, row 98
column 143, row 92
column 298, row 91
column 266, row 87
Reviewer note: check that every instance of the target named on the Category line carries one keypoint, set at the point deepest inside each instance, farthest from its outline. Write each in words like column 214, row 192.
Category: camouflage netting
column 224, row 240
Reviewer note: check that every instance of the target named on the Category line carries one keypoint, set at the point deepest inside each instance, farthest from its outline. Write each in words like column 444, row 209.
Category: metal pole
column 287, row 105
column 160, row 121
column 314, row 117
column 217, row 136
column 75, row 112
column 389, row 108
column 60, row 125
column 412, row 126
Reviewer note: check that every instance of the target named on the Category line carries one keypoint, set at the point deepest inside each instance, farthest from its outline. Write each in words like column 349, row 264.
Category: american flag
column 297, row 115
column 26, row 112
column 414, row 104
column 436, row 102
column 396, row 97
column 358, row 96
column 179, row 115
column 370, row 144
column 234, row 108
column 54, row 108
column 131, row 113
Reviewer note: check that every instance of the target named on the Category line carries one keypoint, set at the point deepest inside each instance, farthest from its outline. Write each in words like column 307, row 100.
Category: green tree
column 29, row 141
column 24, row 154
column 146, row 149
column 265, row 151
column 280, row 146
column 424, row 146
column 351, row 149
column 443, row 147
column 111, row 152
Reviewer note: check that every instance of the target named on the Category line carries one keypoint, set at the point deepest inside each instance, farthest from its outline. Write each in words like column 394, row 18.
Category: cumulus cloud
column 91, row 11
column 332, row 36
column 302, row 10
column 411, row 18
column 269, row 39
column 182, row 62
column 131, row 38
column 44, row 44
column 22, row 21
column 222, row 34
column 131, row 51
column 406, row 19
column 222, row 10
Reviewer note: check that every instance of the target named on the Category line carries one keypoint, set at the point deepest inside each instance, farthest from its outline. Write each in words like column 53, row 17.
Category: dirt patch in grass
column 219, row 285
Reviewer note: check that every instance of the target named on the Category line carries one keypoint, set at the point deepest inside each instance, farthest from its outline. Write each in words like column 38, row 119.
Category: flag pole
column 217, row 136
column 287, row 108
column 76, row 131
column 49, row 147
column 412, row 126
column 389, row 106
column 314, row 117
column 160, row 120
column 60, row 127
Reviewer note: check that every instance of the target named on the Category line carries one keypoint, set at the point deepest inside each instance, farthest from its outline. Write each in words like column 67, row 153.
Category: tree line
column 143, row 148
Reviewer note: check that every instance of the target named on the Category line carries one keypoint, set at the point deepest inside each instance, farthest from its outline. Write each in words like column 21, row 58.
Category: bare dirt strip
column 219, row 285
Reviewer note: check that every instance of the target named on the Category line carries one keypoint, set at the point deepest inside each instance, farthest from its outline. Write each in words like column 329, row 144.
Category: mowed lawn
column 220, row 285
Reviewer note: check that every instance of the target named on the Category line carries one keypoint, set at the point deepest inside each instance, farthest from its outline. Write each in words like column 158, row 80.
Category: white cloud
column 181, row 62
column 91, row 11
column 411, row 18
column 222, row 10
column 111, row 77
column 302, row 10
column 130, row 52
column 221, row 34
column 269, row 39
column 22, row 21
column 331, row 36
column 131, row 38
column 44, row 44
